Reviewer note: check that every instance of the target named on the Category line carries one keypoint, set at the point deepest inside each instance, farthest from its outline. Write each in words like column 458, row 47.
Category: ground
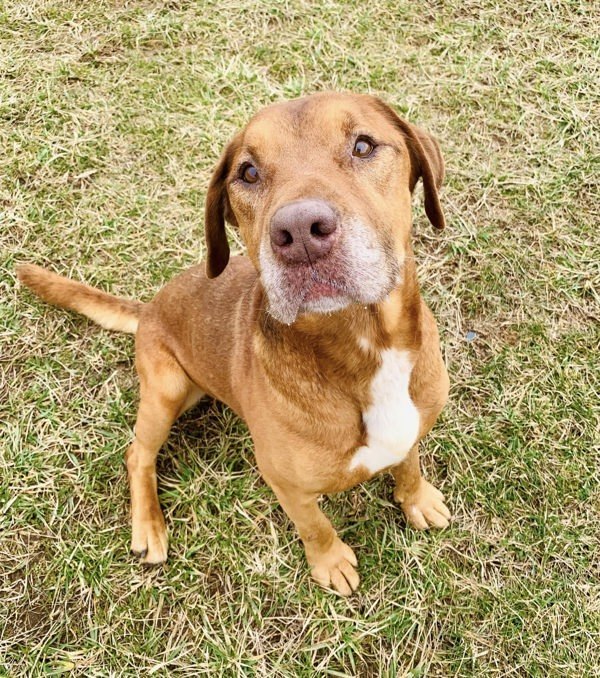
column 112, row 116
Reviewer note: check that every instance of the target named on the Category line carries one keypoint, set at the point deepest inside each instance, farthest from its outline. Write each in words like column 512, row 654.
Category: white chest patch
column 392, row 420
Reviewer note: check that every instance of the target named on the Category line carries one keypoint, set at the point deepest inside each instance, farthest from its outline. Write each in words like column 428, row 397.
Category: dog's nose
column 303, row 231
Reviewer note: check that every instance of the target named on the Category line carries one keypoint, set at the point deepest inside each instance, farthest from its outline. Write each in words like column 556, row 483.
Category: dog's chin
column 288, row 310
column 325, row 305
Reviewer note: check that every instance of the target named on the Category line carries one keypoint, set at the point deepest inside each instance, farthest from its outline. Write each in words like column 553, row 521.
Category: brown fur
column 301, row 388
column 110, row 312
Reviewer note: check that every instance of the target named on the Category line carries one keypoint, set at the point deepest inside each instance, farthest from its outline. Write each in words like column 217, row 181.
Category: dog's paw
column 425, row 508
column 149, row 541
column 335, row 568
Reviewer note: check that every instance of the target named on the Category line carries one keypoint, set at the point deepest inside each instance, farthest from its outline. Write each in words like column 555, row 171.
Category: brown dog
column 318, row 338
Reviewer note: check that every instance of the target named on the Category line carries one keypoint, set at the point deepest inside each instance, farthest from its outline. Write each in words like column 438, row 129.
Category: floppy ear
column 426, row 162
column 216, row 211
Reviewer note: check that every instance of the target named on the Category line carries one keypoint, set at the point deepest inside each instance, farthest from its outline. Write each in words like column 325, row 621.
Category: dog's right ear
column 217, row 210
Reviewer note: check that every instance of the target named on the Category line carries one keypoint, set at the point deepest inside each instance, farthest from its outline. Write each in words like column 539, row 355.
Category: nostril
column 283, row 238
column 321, row 229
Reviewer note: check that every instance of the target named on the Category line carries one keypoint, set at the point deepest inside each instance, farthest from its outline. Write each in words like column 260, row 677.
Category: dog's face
column 320, row 190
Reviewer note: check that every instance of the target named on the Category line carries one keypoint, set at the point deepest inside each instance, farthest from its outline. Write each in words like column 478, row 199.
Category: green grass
column 111, row 117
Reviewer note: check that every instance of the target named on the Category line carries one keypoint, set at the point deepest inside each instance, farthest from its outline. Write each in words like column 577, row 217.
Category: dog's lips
column 311, row 283
column 318, row 289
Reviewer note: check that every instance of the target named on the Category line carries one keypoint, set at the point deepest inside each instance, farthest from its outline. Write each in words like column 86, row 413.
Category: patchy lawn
column 112, row 115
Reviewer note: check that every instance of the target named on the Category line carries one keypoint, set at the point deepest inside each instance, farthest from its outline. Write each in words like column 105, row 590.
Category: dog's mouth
column 316, row 285
column 307, row 289
column 322, row 288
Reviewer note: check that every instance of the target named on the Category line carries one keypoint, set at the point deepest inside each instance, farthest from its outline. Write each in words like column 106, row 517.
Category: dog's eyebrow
column 252, row 151
column 246, row 154
column 349, row 124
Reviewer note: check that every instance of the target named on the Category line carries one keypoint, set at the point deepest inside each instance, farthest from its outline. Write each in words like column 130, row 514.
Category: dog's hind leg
column 165, row 392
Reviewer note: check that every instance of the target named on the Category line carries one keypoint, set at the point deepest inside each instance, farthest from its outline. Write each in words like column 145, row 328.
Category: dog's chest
column 392, row 420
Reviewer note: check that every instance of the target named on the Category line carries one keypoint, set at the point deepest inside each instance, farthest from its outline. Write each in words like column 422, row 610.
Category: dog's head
column 320, row 190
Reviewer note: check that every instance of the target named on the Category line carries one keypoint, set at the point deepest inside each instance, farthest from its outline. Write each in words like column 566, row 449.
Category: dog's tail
column 112, row 313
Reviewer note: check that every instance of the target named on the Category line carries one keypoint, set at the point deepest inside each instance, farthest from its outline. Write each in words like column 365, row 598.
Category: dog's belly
column 392, row 420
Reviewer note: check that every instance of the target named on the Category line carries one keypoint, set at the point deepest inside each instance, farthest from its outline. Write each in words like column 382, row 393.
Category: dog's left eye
column 249, row 173
column 363, row 147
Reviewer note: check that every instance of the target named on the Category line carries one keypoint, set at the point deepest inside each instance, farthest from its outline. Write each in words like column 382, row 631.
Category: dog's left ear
column 426, row 162
column 217, row 211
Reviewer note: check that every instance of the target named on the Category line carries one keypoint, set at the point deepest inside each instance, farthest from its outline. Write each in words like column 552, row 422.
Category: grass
column 112, row 116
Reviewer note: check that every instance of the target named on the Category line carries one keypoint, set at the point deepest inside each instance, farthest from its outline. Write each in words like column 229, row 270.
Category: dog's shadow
column 212, row 494
column 211, row 435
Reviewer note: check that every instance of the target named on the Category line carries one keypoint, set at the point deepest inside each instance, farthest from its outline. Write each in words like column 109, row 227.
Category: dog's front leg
column 422, row 503
column 332, row 562
column 165, row 391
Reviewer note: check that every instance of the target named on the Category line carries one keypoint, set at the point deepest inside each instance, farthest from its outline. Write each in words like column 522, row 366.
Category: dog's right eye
column 363, row 147
column 249, row 173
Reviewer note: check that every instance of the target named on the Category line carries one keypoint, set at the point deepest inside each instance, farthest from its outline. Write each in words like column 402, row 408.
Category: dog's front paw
column 149, row 540
column 335, row 568
column 425, row 508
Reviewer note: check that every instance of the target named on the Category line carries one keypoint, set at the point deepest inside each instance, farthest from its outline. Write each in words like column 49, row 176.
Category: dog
column 318, row 338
